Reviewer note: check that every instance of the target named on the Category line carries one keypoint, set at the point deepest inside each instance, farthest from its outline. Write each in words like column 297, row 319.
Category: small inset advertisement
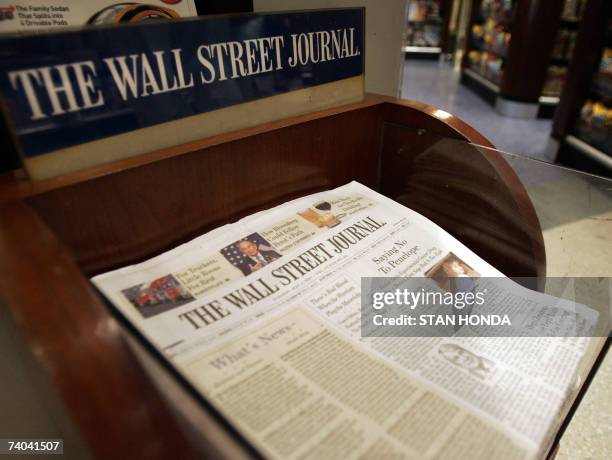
column 321, row 215
column 26, row 15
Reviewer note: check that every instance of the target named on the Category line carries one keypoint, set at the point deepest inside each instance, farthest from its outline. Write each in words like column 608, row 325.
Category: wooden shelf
column 58, row 232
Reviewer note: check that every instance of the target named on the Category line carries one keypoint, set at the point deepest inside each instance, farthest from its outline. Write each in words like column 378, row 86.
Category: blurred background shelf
column 422, row 49
column 529, row 78
column 582, row 127
column 426, row 31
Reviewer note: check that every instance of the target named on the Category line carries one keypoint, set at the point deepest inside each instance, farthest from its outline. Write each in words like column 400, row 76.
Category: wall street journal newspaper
column 263, row 318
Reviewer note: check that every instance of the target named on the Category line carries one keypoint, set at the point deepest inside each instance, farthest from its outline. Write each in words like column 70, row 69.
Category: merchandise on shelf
column 423, row 35
column 487, row 64
column 572, row 9
column 432, row 10
column 571, row 45
column 555, row 77
column 564, row 44
column 422, row 10
column 424, row 27
column 500, row 11
column 491, row 37
column 605, row 66
column 595, row 124
column 602, row 83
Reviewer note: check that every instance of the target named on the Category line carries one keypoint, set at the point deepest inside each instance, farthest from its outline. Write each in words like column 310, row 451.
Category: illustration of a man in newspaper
column 255, row 256
column 250, row 254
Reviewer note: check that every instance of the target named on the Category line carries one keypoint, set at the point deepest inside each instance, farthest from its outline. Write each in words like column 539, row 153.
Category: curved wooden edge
column 79, row 345
column 449, row 125
column 526, row 209
column 462, row 130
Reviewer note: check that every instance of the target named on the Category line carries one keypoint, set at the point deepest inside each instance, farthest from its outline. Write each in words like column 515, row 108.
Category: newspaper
column 262, row 317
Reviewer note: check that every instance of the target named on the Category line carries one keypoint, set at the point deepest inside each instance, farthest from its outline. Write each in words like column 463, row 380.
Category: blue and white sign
column 64, row 89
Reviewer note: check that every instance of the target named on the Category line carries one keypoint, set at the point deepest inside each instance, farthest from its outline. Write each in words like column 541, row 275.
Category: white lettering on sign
column 72, row 87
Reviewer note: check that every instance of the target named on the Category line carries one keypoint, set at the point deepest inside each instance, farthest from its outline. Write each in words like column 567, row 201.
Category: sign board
column 74, row 96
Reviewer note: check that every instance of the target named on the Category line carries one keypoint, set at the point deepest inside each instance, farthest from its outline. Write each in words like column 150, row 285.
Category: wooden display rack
column 56, row 233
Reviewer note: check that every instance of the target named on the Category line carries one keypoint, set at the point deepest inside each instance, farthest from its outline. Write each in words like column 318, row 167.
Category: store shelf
column 561, row 62
column 584, row 142
column 489, row 91
column 426, row 28
column 570, row 23
column 482, row 80
column 602, row 85
column 498, row 22
column 548, row 105
column 422, row 49
column 479, row 46
column 429, row 21
column 510, row 70
column 549, row 100
column 590, row 151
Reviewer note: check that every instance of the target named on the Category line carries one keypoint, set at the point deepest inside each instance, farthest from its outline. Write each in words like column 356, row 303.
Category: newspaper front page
column 263, row 318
